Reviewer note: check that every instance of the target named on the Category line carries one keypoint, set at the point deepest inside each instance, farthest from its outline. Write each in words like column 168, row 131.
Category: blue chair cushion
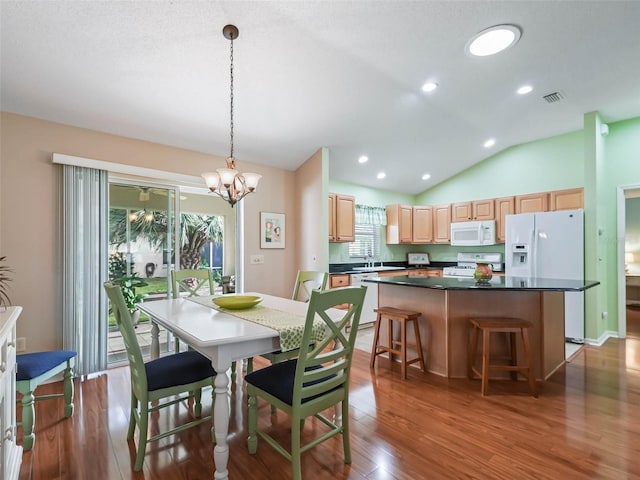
column 177, row 369
column 277, row 380
column 32, row 365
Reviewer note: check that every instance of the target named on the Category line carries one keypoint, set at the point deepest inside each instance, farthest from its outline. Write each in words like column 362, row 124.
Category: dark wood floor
column 584, row 425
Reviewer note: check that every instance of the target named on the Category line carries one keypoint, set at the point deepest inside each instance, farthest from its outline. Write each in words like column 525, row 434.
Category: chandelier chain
column 231, row 96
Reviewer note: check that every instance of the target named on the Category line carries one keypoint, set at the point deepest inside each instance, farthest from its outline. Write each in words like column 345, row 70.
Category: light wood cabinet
column 567, row 199
column 441, row 223
column 483, row 210
column 342, row 218
column 425, row 272
column 461, row 212
column 535, row 202
column 503, row 206
column 476, row 210
column 399, row 224
column 393, row 273
column 422, row 225
column 339, row 280
column 10, row 451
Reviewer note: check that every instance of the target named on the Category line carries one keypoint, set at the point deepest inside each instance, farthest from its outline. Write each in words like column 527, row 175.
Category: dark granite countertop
column 348, row 268
column 496, row 283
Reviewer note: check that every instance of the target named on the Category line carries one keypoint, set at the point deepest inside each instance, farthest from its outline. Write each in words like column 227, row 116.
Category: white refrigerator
column 550, row 245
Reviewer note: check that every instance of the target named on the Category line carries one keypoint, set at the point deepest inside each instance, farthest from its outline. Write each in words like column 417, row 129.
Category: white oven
column 370, row 299
column 467, row 264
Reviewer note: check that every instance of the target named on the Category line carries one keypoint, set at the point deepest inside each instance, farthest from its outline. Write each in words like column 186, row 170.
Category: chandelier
column 228, row 183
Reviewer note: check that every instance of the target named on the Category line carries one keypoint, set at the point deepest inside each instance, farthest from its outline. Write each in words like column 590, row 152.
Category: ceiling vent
column 553, row 97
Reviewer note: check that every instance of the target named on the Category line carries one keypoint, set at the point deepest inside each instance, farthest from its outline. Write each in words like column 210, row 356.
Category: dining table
column 223, row 336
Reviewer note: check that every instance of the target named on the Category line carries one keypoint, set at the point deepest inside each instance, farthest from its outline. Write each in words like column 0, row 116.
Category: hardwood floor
column 584, row 425
column 633, row 322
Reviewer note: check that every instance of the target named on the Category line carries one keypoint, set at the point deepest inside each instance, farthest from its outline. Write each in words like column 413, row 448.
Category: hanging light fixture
column 229, row 183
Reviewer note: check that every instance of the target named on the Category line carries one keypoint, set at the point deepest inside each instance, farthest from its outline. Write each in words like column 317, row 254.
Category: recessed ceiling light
column 493, row 40
column 525, row 89
column 426, row 176
column 363, row 159
column 381, row 175
column 429, row 87
column 490, row 143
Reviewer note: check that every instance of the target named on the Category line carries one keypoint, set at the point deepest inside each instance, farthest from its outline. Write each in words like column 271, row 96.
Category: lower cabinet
column 10, row 451
column 339, row 280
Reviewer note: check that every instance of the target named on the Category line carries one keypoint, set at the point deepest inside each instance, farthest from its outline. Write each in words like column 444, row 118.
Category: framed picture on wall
column 272, row 230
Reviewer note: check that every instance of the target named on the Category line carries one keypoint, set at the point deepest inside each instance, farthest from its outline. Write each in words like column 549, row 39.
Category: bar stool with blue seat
column 33, row 369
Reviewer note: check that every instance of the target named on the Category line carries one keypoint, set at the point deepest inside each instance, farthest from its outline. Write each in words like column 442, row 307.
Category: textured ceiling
column 337, row 74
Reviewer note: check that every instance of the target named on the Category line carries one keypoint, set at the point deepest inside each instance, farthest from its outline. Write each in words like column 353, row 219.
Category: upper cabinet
column 535, row 202
column 422, row 225
column 399, row 224
column 441, row 223
column 342, row 218
column 478, row 210
column 503, row 206
column 567, row 199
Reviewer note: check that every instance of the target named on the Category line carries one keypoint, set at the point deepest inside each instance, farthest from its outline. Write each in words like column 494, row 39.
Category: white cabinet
column 10, row 452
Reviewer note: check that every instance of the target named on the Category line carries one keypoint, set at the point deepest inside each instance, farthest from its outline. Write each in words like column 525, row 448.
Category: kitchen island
column 447, row 304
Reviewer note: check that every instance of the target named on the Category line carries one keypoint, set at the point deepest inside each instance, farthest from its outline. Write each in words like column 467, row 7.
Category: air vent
column 553, row 97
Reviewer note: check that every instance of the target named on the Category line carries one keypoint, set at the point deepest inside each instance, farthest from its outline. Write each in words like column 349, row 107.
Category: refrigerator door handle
column 533, row 253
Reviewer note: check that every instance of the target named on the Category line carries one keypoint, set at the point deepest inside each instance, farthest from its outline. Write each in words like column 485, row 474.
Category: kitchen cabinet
column 393, row 273
column 10, row 451
column 339, row 280
column 566, row 199
column 441, row 223
column 342, row 218
column 461, row 212
column 503, row 206
column 476, row 210
column 425, row 272
column 483, row 210
column 422, row 225
column 399, row 224
column 535, row 202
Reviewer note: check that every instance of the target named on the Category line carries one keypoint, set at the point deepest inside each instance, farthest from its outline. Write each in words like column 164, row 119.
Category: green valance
column 370, row 215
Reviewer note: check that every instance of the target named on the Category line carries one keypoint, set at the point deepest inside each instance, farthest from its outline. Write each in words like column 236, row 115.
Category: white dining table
column 223, row 338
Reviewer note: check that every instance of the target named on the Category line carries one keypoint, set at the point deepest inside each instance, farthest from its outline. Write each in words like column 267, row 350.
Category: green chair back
column 191, row 281
column 320, row 377
column 127, row 330
column 306, row 281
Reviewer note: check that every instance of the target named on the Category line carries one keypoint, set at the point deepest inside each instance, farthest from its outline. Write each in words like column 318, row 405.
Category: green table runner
column 288, row 325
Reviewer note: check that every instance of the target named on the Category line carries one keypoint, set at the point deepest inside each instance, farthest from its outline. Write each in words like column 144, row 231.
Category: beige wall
column 312, row 217
column 30, row 199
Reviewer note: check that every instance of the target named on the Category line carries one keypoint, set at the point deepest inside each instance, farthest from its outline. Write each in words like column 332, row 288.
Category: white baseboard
column 598, row 342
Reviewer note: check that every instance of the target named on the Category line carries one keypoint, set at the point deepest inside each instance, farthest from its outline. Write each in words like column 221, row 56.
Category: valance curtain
column 370, row 215
column 85, row 266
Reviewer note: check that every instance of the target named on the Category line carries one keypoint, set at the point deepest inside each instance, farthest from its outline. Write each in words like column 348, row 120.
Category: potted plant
column 4, row 284
column 128, row 284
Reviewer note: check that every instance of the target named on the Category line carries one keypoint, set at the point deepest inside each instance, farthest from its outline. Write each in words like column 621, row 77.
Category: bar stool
column 509, row 326
column 392, row 314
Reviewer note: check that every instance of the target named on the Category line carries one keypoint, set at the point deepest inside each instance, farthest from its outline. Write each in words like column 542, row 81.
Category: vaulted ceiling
column 346, row 75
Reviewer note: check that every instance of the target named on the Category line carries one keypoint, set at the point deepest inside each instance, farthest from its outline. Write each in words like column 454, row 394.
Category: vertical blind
column 84, row 267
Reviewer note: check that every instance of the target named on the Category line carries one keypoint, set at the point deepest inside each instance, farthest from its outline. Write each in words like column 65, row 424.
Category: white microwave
column 473, row 233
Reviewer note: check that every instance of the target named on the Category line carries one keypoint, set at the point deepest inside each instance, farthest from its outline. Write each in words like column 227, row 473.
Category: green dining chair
column 193, row 282
column 317, row 380
column 306, row 282
column 158, row 383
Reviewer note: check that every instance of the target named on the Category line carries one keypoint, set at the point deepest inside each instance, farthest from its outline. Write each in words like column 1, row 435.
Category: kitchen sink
column 375, row 269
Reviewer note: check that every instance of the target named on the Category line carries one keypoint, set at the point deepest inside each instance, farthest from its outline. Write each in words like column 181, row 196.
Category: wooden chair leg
column 28, row 419
column 514, row 353
column 529, row 361
column 486, row 349
column 376, row 337
column 403, row 349
column 474, row 351
column 296, row 460
column 143, row 427
column 68, row 391
column 416, row 329
column 252, row 441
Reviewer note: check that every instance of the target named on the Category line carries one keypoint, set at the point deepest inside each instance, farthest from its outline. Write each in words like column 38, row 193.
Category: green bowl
column 237, row 302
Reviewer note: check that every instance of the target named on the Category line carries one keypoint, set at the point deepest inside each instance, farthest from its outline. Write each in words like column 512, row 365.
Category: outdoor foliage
column 128, row 284
column 4, row 283
column 117, row 265
column 196, row 230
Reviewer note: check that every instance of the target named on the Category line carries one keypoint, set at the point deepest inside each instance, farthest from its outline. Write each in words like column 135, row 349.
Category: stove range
column 467, row 264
